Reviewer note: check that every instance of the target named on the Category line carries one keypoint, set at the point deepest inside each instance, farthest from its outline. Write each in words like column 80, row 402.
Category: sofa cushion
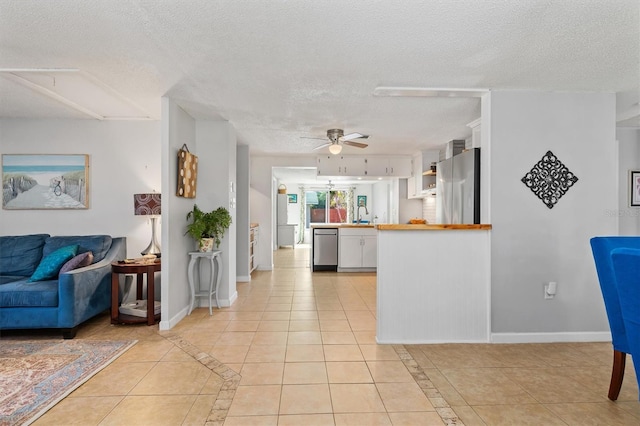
column 79, row 261
column 11, row 278
column 99, row 245
column 50, row 264
column 25, row 294
column 20, row 255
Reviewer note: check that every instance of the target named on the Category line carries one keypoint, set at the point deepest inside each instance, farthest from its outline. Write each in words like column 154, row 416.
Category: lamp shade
column 335, row 149
column 147, row 204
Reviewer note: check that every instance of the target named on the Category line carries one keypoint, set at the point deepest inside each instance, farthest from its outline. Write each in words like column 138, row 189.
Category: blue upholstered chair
column 626, row 265
column 602, row 247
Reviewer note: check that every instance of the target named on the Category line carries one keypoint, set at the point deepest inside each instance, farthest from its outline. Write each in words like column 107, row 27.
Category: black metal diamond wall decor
column 549, row 179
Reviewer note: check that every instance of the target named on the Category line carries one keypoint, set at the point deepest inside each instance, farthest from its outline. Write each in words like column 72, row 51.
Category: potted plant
column 208, row 227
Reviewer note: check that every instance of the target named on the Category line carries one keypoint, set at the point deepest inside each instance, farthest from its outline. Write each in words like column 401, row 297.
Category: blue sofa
column 65, row 300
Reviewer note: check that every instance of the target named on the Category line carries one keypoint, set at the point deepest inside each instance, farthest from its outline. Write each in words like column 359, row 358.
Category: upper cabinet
column 339, row 165
column 424, row 178
column 389, row 166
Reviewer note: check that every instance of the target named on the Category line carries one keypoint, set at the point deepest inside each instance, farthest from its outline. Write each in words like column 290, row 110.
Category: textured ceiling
column 280, row 70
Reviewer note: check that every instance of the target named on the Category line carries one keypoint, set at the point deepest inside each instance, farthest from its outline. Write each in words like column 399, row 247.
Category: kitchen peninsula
column 433, row 283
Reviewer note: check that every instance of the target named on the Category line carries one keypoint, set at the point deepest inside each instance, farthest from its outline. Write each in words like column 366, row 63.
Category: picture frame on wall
column 45, row 181
column 293, row 198
column 362, row 201
column 634, row 188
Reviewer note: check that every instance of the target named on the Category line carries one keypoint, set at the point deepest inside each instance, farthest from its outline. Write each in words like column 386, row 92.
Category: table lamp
column 149, row 205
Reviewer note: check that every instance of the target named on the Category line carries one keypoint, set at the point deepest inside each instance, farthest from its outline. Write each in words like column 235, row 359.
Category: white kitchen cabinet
column 400, row 167
column 411, row 188
column 389, row 166
column 282, row 213
column 254, row 232
column 350, row 251
column 476, row 138
column 377, row 166
column 357, row 248
column 340, row 165
column 369, row 251
column 286, row 235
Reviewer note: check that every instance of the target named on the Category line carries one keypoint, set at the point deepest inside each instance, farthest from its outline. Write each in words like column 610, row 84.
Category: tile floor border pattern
column 442, row 407
column 231, row 379
column 227, row 391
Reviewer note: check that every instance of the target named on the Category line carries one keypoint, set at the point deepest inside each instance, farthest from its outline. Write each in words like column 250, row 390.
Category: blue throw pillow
column 50, row 265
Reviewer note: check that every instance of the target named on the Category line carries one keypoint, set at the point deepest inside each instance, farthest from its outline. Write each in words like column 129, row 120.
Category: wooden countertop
column 342, row 225
column 430, row 227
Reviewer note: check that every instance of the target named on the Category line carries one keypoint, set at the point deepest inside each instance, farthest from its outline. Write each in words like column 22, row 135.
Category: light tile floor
column 298, row 348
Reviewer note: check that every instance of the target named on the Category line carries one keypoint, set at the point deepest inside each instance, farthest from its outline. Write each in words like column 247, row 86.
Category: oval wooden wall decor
column 187, row 173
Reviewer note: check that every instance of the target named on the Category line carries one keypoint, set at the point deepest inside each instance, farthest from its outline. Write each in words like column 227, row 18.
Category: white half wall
column 532, row 244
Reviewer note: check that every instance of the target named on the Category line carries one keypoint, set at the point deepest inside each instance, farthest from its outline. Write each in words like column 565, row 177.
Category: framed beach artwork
column 634, row 185
column 293, row 198
column 45, row 181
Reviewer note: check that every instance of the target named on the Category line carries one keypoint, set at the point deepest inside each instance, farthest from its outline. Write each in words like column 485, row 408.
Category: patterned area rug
column 35, row 375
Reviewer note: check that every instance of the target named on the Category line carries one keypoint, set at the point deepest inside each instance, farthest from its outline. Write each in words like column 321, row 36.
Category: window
column 321, row 211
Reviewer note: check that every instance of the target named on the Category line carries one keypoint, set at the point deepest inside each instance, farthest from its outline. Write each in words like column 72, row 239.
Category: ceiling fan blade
column 354, row 136
column 356, row 144
column 322, row 146
column 307, row 137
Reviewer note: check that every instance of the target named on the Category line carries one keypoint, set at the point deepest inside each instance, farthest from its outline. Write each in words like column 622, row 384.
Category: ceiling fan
column 337, row 138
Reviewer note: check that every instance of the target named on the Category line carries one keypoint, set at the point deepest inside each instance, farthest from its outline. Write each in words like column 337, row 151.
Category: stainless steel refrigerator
column 458, row 188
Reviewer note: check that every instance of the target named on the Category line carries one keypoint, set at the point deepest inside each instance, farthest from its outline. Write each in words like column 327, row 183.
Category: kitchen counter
column 404, row 226
column 342, row 225
column 430, row 227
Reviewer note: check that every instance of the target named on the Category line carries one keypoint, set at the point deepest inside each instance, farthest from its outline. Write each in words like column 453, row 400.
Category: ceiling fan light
column 335, row 149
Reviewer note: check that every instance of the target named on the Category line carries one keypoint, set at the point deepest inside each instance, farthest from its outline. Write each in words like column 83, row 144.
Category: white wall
column 124, row 159
column 628, row 159
column 215, row 145
column 242, row 214
column 532, row 244
column 216, row 148
column 178, row 128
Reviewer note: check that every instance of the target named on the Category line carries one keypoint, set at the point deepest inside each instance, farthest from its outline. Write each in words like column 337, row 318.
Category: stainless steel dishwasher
column 325, row 249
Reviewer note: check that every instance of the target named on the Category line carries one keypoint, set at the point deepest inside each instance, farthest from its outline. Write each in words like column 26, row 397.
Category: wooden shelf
column 429, row 173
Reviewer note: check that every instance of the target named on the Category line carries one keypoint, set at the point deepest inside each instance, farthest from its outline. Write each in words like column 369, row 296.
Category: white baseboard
column 243, row 278
column 581, row 336
column 428, row 342
column 171, row 322
column 232, row 299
